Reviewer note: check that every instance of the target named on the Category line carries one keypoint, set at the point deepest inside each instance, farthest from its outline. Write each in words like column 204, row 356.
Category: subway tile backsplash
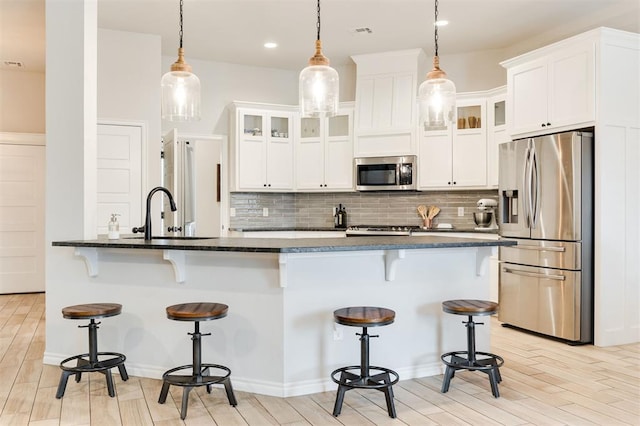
column 300, row 210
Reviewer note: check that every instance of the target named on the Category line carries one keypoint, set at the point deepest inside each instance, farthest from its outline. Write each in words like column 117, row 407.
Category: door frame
column 224, row 174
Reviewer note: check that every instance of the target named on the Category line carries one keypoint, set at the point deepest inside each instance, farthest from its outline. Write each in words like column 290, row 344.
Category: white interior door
column 21, row 218
column 119, row 176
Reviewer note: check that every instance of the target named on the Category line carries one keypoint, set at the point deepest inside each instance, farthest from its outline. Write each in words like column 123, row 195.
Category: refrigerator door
column 556, row 177
column 543, row 300
column 511, row 188
column 549, row 254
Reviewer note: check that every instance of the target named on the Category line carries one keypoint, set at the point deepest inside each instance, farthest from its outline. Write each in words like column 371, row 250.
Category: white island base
column 277, row 340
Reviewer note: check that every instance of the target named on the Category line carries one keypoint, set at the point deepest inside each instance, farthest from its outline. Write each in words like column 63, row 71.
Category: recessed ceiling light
column 441, row 23
column 270, row 45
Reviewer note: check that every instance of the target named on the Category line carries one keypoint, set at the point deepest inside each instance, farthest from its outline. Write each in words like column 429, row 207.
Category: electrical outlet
column 460, row 211
column 232, row 212
column 337, row 334
column 265, row 211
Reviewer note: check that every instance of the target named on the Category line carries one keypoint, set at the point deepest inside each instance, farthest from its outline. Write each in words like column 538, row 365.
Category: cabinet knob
column 454, row 182
column 325, row 185
column 265, row 185
column 269, row 185
column 548, row 124
column 448, row 183
column 544, row 125
column 320, row 185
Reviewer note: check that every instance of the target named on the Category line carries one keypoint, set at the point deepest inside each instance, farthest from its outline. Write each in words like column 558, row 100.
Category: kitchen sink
column 170, row 238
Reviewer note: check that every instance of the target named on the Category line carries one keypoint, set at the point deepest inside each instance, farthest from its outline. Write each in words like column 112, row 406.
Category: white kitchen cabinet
column 262, row 155
column 324, row 152
column 456, row 157
column 386, row 107
column 552, row 89
column 496, row 131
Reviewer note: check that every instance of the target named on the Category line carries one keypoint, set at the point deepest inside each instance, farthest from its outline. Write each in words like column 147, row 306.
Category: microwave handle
column 398, row 168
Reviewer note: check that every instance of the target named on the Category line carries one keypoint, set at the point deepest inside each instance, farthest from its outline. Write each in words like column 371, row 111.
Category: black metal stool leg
column 164, row 392
column 493, row 378
column 448, row 375
column 229, row 390
column 185, row 401
column 123, row 373
column 62, row 385
column 337, row 407
column 388, row 396
column 110, row 388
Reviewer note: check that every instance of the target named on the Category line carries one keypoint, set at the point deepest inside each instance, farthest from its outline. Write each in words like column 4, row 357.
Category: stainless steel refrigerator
column 546, row 205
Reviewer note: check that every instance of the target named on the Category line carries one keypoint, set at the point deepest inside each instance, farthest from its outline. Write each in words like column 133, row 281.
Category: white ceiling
column 235, row 30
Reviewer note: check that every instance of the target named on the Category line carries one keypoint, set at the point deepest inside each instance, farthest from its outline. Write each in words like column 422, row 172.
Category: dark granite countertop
column 288, row 245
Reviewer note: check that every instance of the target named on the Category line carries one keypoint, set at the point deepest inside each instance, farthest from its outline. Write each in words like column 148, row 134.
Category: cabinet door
column 435, row 161
column 527, row 97
column 338, row 167
column 469, row 159
column 470, row 144
column 279, row 162
column 572, row 86
column 252, row 151
column 310, row 155
column 496, row 134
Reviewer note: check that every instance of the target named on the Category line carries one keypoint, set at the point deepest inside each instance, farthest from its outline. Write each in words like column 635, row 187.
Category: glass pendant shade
column 437, row 99
column 319, row 87
column 180, row 92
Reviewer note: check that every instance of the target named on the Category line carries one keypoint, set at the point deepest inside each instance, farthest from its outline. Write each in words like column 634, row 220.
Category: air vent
column 13, row 64
column 362, row 30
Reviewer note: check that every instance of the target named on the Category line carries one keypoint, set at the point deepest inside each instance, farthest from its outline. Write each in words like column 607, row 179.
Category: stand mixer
column 486, row 217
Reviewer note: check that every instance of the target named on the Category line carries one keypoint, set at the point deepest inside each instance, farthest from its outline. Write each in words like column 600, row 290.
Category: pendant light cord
column 435, row 24
column 318, row 23
column 181, row 3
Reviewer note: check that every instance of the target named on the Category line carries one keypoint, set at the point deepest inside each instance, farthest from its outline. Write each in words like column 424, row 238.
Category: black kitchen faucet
column 146, row 228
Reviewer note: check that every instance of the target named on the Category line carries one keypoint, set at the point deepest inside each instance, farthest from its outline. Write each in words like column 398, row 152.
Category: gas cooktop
column 381, row 230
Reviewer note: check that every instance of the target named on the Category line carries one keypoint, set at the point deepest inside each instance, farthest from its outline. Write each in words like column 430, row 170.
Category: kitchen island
column 279, row 337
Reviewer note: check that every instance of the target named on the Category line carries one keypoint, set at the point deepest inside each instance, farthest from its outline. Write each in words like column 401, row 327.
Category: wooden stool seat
column 91, row 310
column 470, row 307
column 471, row 359
column 197, row 311
column 364, row 376
column 92, row 361
column 197, row 373
column 364, row 316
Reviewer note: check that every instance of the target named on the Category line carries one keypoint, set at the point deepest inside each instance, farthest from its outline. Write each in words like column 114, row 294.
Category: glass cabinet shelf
column 253, row 125
column 469, row 117
column 310, row 127
column 280, row 127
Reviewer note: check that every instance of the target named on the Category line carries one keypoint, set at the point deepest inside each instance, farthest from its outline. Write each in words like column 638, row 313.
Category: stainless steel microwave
column 396, row 173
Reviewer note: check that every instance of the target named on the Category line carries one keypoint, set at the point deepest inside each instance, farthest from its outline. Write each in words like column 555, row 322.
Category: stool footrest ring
column 203, row 379
column 84, row 365
column 350, row 377
column 456, row 361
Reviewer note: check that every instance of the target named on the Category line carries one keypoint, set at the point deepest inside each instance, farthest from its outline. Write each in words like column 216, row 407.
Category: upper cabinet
column 262, row 151
column 324, row 152
column 552, row 89
column 386, row 107
column 496, row 131
column 456, row 157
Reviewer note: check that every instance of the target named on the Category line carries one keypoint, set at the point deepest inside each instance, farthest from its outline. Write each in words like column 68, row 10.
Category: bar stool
column 200, row 372
column 360, row 376
column 468, row 360
column 93, row 361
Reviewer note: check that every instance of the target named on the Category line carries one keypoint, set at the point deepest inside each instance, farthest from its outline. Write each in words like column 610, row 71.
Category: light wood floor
column 544, row 383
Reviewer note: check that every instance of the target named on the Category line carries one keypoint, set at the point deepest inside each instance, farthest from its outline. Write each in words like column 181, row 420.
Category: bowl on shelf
column 482, row 218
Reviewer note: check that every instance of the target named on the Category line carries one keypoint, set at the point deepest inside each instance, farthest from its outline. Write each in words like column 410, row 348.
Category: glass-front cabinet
column 324, row 152
column 456, row 157
column 496, row 131
column 262, row 152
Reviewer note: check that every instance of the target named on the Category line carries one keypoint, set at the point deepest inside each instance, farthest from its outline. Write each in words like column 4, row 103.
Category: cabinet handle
column 548, row 124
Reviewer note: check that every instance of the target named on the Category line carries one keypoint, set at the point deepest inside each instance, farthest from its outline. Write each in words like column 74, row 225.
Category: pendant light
column 180, row 89
column 437, row 94
column 319, row 84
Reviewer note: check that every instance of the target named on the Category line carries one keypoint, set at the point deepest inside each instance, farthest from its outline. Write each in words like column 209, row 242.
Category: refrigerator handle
column 534, row 274
column 525, row 204
column 535, row 189
column 538, row 248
